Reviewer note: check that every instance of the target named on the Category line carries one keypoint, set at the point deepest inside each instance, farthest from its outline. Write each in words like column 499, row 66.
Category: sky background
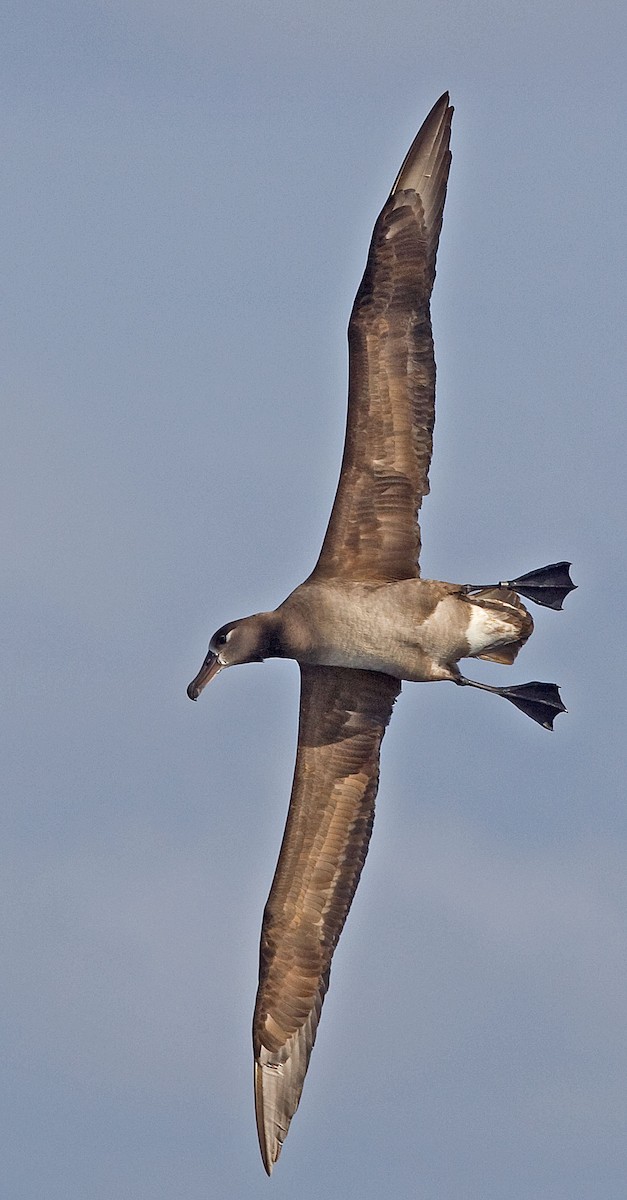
column 189, row 194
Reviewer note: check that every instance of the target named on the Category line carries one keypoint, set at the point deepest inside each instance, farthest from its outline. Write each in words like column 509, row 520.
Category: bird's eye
column 221, row 639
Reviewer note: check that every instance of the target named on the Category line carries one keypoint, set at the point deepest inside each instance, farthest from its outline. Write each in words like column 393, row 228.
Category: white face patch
column 219, row 641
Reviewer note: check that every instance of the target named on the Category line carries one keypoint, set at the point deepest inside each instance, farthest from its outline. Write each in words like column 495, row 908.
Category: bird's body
column 412, row 629
column 362, row 622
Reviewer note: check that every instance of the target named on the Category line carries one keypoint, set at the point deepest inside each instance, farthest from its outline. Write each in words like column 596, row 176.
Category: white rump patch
column 487, row 628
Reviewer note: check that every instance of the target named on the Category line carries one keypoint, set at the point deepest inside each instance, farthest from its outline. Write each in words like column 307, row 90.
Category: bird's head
column 250, row 639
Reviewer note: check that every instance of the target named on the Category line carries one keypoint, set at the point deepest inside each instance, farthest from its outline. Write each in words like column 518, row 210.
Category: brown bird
column 363, row 621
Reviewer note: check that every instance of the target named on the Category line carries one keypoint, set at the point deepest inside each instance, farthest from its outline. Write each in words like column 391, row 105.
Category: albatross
column 363, row 622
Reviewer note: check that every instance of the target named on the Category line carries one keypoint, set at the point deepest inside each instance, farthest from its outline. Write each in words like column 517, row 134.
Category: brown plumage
column 362, row 622
column 343, row 715
column 373, row 531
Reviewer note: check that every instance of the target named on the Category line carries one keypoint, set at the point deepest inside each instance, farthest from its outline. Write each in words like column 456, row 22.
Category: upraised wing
column 343, row 716
column 373, row 533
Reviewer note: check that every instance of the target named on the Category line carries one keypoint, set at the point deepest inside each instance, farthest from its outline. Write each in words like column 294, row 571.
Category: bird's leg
column 540, row 701
column 548, row 586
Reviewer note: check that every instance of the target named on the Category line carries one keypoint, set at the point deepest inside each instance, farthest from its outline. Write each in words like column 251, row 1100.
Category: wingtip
column 429, row 152
column 442, row 107
column 444, row 101
column 269, row 1146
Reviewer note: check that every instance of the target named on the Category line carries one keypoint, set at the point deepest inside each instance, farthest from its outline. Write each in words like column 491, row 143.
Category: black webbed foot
column 548, row 586
column 540, row 701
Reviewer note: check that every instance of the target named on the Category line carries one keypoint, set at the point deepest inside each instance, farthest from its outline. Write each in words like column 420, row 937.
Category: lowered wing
column 343, row 716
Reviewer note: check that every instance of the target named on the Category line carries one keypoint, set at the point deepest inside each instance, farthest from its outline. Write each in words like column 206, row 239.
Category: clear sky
column 191, row 190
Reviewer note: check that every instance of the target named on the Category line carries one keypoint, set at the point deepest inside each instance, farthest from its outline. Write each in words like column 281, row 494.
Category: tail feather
column 503, row 654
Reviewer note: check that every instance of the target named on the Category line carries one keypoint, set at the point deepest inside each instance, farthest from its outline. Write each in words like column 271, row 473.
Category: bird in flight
column 364, row 621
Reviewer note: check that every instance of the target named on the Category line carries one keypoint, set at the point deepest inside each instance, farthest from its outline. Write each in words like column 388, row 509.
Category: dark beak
column 209, row 668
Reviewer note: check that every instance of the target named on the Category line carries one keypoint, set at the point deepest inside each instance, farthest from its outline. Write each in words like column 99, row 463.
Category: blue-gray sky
column 191, row 190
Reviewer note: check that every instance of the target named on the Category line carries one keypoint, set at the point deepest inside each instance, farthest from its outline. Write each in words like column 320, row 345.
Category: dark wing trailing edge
column 373, row 532
column 343, row 716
